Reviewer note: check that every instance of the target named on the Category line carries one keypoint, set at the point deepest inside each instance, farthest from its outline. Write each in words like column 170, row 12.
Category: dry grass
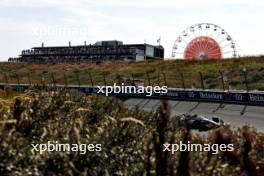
column 231, row 67
column 131, row 139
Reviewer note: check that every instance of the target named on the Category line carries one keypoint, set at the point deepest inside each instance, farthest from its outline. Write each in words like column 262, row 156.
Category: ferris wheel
column 204, row 41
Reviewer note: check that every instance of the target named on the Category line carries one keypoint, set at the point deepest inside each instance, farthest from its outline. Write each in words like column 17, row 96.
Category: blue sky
column 28, row 23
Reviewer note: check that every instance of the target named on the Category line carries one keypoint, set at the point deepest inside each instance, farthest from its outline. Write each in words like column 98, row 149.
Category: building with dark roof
column 100, row 51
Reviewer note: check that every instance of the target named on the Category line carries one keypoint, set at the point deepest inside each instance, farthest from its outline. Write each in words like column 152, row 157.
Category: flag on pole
column 158, row 41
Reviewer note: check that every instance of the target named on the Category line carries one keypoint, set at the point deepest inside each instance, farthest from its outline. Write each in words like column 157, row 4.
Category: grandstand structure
column 100, row 51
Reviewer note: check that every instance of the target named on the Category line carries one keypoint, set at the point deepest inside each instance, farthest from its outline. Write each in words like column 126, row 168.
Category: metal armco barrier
column 254, row 98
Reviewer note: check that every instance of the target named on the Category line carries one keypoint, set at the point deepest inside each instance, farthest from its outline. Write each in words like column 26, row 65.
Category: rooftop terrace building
column 100, row 51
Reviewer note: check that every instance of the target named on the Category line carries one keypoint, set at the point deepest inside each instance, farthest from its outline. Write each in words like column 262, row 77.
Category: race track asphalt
column 236, row 115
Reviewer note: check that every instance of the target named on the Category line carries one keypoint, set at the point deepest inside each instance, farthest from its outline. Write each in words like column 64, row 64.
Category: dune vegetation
column 167, row 72
column 132, row 139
